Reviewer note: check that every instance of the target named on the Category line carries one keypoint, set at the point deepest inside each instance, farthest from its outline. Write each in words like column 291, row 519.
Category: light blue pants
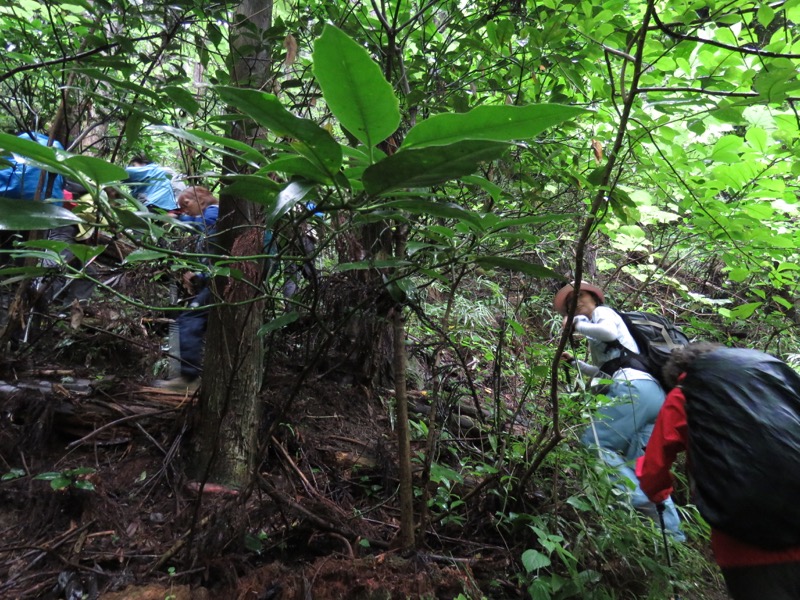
column 621, row 430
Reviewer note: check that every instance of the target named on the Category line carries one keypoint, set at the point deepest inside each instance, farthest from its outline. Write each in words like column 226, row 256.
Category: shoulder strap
column 627, row 359
column 631, row 330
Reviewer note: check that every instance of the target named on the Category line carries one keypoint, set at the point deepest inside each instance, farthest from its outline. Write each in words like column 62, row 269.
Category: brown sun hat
column 562, row 295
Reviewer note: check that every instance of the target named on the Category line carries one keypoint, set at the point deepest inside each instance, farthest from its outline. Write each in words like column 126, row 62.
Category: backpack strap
column 627, row 359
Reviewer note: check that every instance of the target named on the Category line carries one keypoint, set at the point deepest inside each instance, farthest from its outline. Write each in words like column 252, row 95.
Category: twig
column 345, row 541
column 44, row 550
column 281, row 499
column 176, row 547
column 306, row 484
column 347, row 439
column 89, row 436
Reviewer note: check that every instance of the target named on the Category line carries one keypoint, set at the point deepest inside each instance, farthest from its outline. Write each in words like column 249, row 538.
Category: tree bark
column 224, row 443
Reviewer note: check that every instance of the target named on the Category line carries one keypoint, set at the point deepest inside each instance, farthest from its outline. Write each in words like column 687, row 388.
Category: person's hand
column 188, row 283
column 567, row 357
column 575, row 320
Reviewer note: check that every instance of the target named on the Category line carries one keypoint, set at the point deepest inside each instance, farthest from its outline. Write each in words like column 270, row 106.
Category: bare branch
column 739, row 49
column 68, row 59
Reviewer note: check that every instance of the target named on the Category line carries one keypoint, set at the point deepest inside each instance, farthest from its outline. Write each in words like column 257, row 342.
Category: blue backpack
column 21, row 180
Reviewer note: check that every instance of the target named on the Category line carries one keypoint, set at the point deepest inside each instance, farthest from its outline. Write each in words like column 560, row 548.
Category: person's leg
column 192, row 331
column 629, row 415
column 50, row 286
column 621, row 431
column 764, row 582
column 627, row 481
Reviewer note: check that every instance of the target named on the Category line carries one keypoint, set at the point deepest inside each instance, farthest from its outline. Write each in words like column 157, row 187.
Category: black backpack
column 656, row 337
column 743, row 415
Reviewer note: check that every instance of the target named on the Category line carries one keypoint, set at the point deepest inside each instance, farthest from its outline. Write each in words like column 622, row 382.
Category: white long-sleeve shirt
column 603, row 327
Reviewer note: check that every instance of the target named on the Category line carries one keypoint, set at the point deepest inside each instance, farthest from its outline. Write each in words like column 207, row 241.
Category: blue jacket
column 205, row 223
column 20, row 180
column 152, row 186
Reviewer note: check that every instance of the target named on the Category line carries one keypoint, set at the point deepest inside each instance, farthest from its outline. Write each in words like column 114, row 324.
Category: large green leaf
column 494, row 190
column 494, row 123
column 144, row 255
column 96, row 75
column 297, row 165
column 312, row 141
column 183, row 98
column 99, row 171
column 44, row 156
column 777, row 82
column 425, row 167
column 25, row 215
column 255, row 188
column 444, row 210
column 533, row 560
column 132, row 219
column 492, row 223
column 388, row 263
column 288, row 198
column 216, row 142
column 515, row 264
column 354, row 87
column 279, row 323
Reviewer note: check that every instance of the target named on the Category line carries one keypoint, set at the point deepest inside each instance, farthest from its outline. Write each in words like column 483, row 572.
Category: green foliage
column 354, row 88
column 489, row 123
column 483, row 132
column 13, row 474
column 71, row 478
column 17, row 215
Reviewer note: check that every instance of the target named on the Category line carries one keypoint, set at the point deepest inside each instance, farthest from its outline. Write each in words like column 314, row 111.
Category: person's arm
column 670, row 436
column 586, row 368
column 210, row 217
column 197, row 222
column 604, row 330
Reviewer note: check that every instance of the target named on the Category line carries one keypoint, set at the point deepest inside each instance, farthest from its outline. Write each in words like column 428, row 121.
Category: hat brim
column 562, row 295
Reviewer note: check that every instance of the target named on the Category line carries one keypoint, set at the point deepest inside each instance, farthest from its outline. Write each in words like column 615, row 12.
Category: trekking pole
column 660, row 509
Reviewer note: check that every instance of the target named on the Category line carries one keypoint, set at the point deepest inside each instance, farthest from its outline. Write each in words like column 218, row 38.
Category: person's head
column 589, row 298
column 195, row 199
column 681, row 358
column 140, row 160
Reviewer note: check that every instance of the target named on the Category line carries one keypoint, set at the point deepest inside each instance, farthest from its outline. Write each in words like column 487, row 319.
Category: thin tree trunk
column 224, row 442
column 400, row 361
column 406, row 534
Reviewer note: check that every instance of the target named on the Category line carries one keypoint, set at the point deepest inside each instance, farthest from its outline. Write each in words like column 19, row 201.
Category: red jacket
column 670, row 437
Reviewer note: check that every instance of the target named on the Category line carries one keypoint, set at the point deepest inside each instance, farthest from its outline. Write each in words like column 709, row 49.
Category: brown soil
column 144, row 532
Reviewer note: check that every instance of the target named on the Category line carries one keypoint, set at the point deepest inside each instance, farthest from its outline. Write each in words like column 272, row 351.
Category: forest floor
column 125, row 523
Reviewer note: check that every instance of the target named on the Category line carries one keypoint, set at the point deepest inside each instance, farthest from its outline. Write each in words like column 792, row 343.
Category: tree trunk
column 224, row 443
column 406, row 535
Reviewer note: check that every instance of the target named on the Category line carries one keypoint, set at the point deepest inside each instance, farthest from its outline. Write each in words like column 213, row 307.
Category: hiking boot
column 178, row 384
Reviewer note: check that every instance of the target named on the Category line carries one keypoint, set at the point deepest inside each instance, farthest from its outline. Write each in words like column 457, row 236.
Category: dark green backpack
column 656, row 337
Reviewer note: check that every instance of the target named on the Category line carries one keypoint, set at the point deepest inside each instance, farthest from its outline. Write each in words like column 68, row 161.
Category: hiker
column 620, row 429
column 707, row 375
column 151, row 184
column 304, row 243
column 296, row 239
column 200, row 208
column 24, row 181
